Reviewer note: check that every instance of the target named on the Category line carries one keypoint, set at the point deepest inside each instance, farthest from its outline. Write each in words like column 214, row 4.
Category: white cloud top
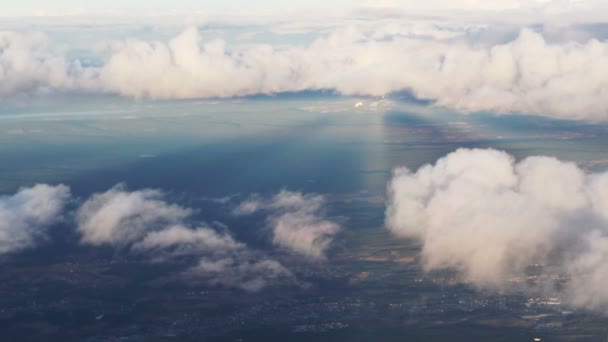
column 121, row 217
column 526, row 74
column 488, row 217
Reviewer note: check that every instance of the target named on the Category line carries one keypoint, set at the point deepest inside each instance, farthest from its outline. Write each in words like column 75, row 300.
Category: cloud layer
column 145, row 224
column 26, row 215
column 490, row 218
column 297, row 222
column 526, row 74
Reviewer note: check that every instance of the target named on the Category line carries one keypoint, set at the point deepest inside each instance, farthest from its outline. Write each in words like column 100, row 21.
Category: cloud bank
column 489, row 217
column 525, row 74
column 297, row 222
column 145, row 224
column 25, row 216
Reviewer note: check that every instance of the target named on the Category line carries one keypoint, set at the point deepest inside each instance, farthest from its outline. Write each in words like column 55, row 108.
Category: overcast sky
column 36, row 7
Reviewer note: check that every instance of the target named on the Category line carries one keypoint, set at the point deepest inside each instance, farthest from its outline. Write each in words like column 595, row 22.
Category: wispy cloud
column 26, row 215
column 297, row 222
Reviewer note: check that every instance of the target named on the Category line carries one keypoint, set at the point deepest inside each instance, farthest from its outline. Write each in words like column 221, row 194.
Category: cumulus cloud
column 489, row 217
column 297, row 222
column 526, row 74
column 121, row 217
column 145, row 224
column 28, row 62
column 25, row 215
column 187, row 241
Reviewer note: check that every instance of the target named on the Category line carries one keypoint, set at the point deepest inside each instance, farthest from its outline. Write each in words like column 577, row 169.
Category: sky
column 36, row 7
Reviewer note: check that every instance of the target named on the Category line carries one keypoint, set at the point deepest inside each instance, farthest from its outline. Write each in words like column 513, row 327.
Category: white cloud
column 488, row 217
column 30, row 62
column 297, row 222
column 524, row 75
column 144, row 223
column 25, row 215
column 589, row 273
column 188, row 241
column 120, row 217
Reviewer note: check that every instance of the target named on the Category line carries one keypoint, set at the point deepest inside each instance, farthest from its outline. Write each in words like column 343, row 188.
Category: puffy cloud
column 189, row 241
column 297, row 222
column 29, row 62
column 121, row 217
column 483, row 214
column 25, row 215
column 589, row 273
column 144, row 223
column 526, row 74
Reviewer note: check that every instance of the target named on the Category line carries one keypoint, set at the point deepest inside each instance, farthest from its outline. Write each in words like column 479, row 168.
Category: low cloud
column 246, row 273
column 120, row 217
column 483, row 214
column 26, row 215
column 297, row 222
column 144, row 223
column 29, row 62
column 525, row 74
column 188, row 241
